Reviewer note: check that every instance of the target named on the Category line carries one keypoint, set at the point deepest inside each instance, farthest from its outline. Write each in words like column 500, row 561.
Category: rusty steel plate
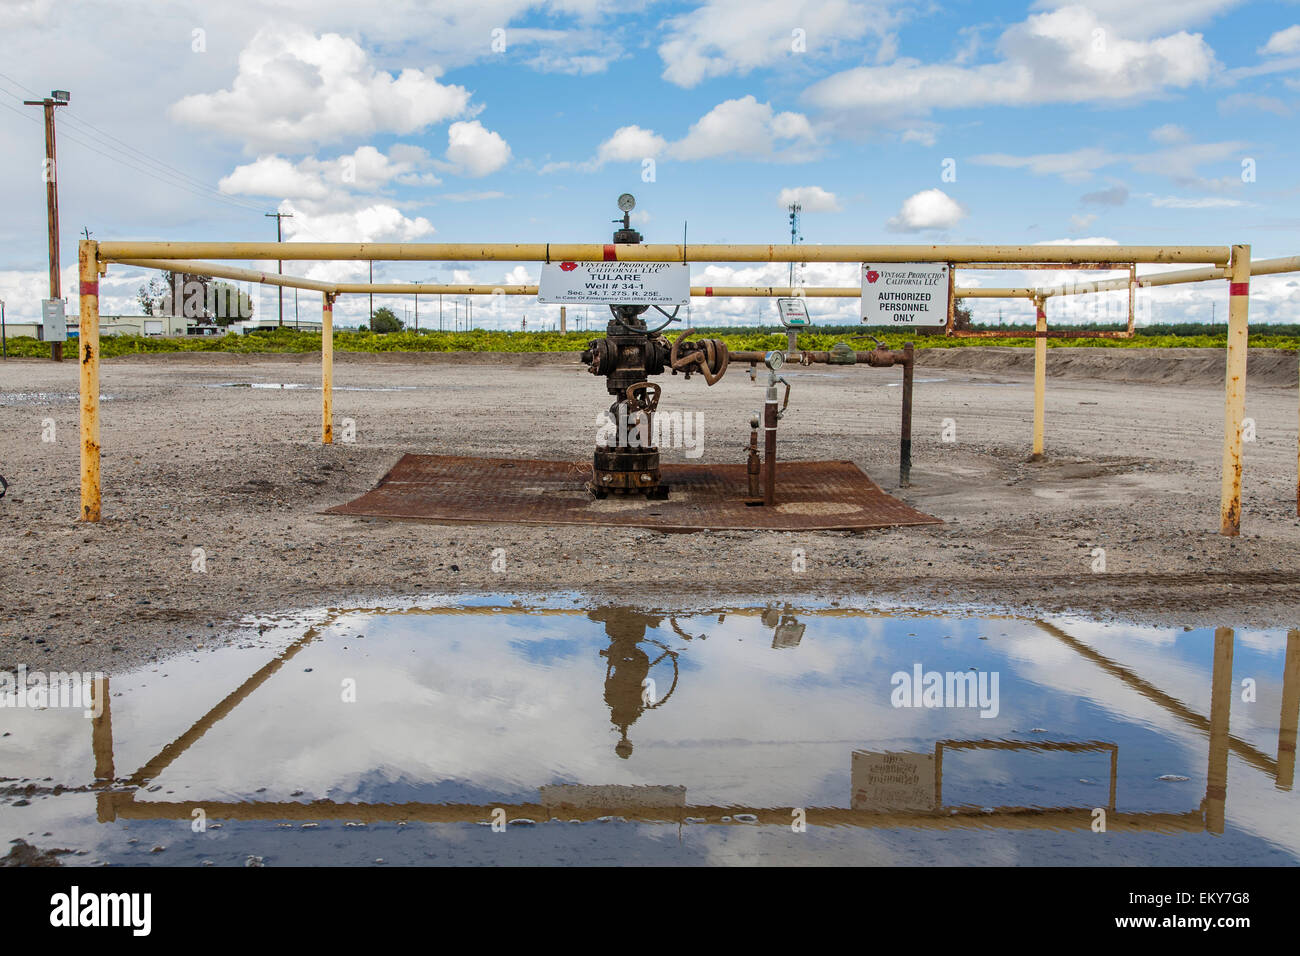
column 811, row 495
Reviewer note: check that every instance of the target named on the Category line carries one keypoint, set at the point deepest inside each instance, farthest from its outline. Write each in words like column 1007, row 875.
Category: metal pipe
column 1234, row 400
column 230, row 272
column 88, row 354
column 905, row 435
column 632, row 252
column 327, row 369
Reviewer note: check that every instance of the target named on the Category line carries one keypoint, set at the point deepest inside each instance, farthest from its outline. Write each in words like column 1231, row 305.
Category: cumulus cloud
column 630, row 143
column 1065, row 56
column 474, row 150
column 930, row 209
column 723, row 37
column 746, row 127
column 1283, row 42
column 1146, row 19
column 742, row 127
column 365, row 169
column 811, row 198
column 295, row 90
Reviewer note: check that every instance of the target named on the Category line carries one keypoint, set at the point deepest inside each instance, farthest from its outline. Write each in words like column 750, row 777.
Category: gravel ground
column 239, row 472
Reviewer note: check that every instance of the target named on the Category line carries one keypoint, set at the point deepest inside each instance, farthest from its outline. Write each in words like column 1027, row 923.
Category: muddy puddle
column 566, row 732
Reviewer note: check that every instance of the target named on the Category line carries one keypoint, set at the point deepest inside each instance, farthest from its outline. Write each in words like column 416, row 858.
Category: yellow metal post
column 88, row 351
column 1234, row 404
column 1040, row 372
column 327, row 370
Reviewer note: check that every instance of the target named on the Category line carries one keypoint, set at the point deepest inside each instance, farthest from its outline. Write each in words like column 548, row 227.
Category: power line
column 166, row 174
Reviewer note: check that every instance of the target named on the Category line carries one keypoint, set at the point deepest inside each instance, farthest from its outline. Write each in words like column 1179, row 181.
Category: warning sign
column 905, row 294
column 615, row 283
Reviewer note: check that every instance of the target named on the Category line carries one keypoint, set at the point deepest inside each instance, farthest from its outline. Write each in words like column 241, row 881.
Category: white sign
column 793, row 312
column 892, row 781
column 615, row 283
column 905, row 294
column 54, row 323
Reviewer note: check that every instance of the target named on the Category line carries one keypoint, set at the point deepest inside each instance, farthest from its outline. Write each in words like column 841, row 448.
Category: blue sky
column 508, row 120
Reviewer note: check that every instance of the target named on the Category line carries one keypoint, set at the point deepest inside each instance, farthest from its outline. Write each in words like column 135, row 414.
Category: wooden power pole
column 56, row 98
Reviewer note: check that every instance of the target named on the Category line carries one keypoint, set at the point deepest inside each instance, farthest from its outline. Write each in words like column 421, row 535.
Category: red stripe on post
column 1238, row 288
column 708, row 290
column 609, row 253
column 90, row 288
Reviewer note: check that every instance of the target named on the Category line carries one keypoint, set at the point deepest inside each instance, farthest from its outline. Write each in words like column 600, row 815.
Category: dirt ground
column 1133, row 440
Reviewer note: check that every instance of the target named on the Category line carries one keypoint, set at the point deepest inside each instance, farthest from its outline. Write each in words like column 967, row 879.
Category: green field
column 288, row 340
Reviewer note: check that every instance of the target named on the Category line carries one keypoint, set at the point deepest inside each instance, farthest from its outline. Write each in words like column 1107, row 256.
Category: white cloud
column 1089, row 241
column 1180, row 162
column 295, row 90
column 1073, row 166
column 926, row 210
column 741, row 127
column 1283, row 42
column 1195, row 202
column 1065, row 56
column 474, row 150
column 1239, row 102
column 630, row 143
column 365, row 169
column 746, row 127
column 1168, row 134
column 1146, row 19
column 925, row 135
column 723, row 37
column 811, row 198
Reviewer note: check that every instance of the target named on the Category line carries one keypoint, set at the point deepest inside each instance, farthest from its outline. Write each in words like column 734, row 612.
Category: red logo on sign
column 872, row 275
column 568, row 266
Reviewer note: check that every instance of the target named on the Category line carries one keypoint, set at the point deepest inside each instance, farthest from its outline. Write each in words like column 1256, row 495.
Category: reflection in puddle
column 495, row 733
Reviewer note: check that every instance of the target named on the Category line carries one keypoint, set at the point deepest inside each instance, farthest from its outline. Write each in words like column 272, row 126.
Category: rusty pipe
column 769, row 447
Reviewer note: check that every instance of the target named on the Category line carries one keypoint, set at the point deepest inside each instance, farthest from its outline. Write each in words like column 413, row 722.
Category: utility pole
column 4, row 342
column 439, row 311
column 56, row 98
column 795, row 209
column 280, row 264
column 370, row 320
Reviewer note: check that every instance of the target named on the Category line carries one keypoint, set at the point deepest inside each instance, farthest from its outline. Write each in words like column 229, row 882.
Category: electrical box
column 54, row 323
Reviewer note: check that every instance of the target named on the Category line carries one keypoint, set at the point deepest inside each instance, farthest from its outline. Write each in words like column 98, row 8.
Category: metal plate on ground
column 811, row 495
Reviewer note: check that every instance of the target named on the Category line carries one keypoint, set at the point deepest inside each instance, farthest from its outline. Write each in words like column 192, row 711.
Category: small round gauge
column 774, row 360
column 627, row 202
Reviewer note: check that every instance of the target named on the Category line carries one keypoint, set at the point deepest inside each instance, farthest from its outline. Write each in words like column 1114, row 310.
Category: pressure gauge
column 774, row 360
column 626, row 202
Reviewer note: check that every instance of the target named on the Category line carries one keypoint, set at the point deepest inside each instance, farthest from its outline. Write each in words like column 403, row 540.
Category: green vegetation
column 737, row 338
